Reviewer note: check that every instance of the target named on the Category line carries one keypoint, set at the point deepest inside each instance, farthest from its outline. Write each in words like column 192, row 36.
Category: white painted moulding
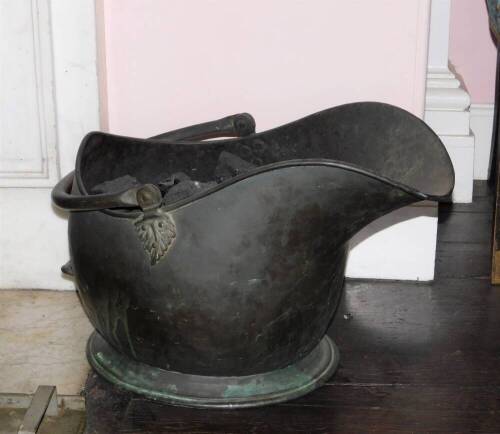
column 447, row 103
column 27, row 133
column 441, row 78
column 481, row 124
column 75, row 72
column 50, row 71
column 439, row 34
column 400, row 245
column 446, row 98
column 33, row 234
column 461, row 151
column 447, row 113
column 447, row 122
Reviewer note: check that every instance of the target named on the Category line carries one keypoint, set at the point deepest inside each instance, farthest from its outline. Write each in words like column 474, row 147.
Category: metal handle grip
column 148, row 196
column 239, row 125
column 145, row 196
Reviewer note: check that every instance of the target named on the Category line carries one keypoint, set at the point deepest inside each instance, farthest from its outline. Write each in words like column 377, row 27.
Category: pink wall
column 472, row 50
column 177, row 62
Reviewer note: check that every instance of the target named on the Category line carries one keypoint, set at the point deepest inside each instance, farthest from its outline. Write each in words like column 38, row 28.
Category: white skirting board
column 447, row 113
column 400, row 245
column 33, row 240
column 453, row 128
column 34, row 245
column 461, row 152
column 481, row 124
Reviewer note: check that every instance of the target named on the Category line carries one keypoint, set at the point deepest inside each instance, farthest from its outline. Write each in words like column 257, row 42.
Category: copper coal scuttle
column 211, row 270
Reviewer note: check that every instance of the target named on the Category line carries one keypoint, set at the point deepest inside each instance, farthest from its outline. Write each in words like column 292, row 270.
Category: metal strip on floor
column 44, row 402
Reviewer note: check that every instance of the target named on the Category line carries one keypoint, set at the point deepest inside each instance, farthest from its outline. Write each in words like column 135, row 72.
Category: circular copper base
column 189, row 390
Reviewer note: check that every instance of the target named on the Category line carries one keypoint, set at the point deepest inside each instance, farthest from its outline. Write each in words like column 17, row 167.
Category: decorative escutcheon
column 157, row 233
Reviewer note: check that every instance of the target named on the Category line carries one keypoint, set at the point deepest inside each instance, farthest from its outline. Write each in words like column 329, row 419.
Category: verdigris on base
column 210, row 391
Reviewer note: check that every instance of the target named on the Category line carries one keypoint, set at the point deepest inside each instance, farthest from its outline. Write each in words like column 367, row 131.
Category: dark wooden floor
column 415, row 358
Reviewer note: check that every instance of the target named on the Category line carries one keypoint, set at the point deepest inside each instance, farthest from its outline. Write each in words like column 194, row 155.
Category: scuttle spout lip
column 419, row 195
column 374, row 139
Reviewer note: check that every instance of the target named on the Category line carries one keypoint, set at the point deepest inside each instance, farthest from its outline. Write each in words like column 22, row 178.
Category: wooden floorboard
column 376, row 409
column 415, row 357
column 484, row 201
column 465, row 260
column 465, row 227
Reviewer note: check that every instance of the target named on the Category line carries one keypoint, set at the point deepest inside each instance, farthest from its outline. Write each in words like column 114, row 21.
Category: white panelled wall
column 50, row 100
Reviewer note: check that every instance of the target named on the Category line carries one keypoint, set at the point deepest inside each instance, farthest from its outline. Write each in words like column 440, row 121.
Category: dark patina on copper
column 223, row 298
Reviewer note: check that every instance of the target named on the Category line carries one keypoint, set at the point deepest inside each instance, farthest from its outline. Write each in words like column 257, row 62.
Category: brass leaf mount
column 157, row 233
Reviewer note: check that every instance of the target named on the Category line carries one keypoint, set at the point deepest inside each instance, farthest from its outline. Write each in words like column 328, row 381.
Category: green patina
column 249, row 391
column 131, row 378
column 172, row 388
column 280, row 381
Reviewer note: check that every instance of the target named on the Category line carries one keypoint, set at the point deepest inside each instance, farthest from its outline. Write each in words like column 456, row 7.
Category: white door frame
column 61, row 69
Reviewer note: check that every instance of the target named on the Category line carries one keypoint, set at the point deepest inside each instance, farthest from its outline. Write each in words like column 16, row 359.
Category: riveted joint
column 244, row 124
column 149, row 197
